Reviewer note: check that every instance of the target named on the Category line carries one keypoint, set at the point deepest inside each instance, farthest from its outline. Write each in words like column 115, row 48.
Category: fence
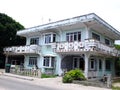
column 26, row 72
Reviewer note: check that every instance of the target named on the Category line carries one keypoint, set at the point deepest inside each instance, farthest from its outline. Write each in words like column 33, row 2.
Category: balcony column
column 87, row 33
column 86, row 58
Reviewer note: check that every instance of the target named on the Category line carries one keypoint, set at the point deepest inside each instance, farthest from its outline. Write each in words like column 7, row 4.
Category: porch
column 91, row 65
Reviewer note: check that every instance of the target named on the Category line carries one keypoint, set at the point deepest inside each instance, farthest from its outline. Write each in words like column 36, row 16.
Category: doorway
column 78, row 62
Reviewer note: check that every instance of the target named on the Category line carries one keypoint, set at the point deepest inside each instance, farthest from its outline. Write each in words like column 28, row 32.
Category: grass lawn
column 48, row 76
column 115, row 88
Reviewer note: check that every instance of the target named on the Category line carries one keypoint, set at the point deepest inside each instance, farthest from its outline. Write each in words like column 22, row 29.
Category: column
column 103, row 66
column 6, row 60
column 50, row 61
column 58, row 67
column 113, row 67
column 87, row 55
column 87, row 32
column 97, row 67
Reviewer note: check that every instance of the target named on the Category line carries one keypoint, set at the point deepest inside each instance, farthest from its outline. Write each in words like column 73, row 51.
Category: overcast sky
column 36, row 12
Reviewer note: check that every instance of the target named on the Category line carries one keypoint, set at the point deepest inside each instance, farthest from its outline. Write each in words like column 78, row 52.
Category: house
column 85, row 42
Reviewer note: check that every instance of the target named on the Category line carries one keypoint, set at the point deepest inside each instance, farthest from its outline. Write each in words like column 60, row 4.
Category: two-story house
column 85, row 42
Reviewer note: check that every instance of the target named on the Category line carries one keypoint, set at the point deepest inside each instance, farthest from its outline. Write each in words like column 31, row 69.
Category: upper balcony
column 20, row 50
column 89, row 45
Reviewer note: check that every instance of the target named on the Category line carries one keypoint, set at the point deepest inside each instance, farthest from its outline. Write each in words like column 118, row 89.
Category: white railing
column 26, row 72
column 87, row 45
column 22, row 49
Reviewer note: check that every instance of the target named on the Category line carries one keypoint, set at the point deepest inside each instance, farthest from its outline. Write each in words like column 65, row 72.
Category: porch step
column 93, row 82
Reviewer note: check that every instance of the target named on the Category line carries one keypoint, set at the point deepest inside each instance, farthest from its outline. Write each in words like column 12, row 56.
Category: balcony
column 89, row 45
column 19, row 50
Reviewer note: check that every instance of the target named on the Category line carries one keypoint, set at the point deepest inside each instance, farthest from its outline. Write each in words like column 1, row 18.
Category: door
column 78, row 62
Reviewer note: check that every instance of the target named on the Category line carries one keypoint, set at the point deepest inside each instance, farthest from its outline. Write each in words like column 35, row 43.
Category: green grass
column 115, row 88
column 48, row 76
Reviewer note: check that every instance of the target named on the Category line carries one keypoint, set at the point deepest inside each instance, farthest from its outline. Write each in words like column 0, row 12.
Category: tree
column 8, row 37
column 117, row 47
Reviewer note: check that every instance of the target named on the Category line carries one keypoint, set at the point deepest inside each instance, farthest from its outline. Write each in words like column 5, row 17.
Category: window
column 50, row 38
column 75, row 63
column 46, row 61
column 107, row 42
column 95, row 36
column 32, row 60
column 34, row 41
column 54, row 37
column 92, row 64
column 49, row 61
column 100, row 64
column 74, row 36
column 108, row 65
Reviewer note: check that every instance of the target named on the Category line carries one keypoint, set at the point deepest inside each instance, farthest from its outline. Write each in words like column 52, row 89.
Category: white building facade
column 85, row 42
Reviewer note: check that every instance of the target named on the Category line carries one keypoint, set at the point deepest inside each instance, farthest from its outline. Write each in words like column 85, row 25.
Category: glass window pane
column 95, row 36
column 100, row 64
column 79, row 36
column 32, row 60
column 107, row 42
column 34, row 41
column 75, row 36
column 48, row 38
column 108, row 65
column 54, row 37
column 53, row 62
column 46, row 61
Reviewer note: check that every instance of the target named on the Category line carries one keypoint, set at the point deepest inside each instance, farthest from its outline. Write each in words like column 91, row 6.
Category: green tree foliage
column 8, row 29
column 8, row 37
column 117, row 46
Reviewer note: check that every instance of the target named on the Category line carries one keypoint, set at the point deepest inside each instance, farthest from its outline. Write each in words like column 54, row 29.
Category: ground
column 55, row 83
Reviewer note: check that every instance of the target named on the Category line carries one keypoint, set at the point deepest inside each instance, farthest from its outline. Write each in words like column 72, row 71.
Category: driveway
column 55, row 83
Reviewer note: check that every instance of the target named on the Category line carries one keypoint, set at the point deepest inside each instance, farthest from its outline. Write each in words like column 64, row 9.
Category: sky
column 36, row 12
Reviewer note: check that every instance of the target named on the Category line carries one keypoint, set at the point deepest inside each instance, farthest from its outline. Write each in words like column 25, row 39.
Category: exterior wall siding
column 102, row 37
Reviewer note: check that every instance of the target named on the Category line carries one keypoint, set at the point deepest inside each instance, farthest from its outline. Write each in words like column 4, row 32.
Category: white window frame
column 51, row 38
column 33, row 61
column 34, row 41
column 77, row 59
column 50, row 61
column 72, row 34
column 108, row 40
column 93, row 33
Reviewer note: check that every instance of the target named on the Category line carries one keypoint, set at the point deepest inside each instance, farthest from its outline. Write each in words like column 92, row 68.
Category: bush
column 76, row 74
column 67, row 79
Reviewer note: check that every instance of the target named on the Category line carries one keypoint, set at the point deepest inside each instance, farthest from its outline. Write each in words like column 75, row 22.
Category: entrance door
column 78, row 62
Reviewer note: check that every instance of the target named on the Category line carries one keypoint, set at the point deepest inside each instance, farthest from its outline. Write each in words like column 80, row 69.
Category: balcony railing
column 28, row 49
column 88, row 45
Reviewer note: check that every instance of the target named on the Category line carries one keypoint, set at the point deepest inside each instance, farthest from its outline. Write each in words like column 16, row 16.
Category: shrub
column 67, row 79
column 76, row 74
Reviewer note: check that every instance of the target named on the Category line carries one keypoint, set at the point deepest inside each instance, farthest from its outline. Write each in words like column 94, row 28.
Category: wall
column 102, row 37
